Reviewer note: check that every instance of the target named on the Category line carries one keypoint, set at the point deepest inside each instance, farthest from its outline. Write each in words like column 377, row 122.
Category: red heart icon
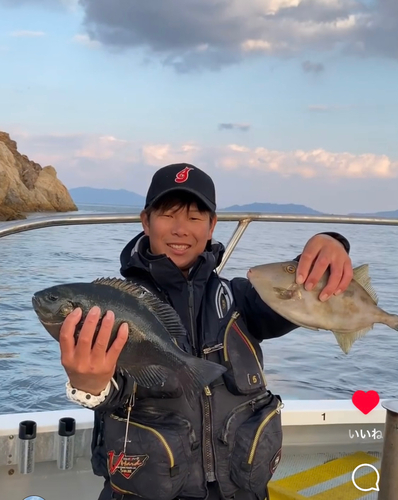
column 365, row 401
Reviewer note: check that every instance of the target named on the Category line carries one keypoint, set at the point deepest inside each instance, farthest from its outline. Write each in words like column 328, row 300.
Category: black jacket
column 234, row 434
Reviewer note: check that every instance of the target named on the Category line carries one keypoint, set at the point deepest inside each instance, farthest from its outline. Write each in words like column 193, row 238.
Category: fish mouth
column 45, row 317
column 50, row 323
column 35, row 302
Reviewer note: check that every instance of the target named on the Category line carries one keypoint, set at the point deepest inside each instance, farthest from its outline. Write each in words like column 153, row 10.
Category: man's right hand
column 90, row 368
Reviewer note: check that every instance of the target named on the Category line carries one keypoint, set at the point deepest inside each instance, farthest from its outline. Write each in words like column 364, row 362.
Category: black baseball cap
column 182, row 177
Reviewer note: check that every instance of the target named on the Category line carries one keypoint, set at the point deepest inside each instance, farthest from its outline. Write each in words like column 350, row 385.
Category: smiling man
column 171, row 451
column 179, row 229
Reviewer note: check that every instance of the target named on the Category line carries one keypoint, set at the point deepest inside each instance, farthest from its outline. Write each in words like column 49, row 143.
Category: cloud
column 27, row 33
column 326, row 108
column 244, row 127
column 319, row 108
column 192, row 35
column 310, row 67
column 309, row 164
column 107, row 153
column 86, row 41
column 202, row 34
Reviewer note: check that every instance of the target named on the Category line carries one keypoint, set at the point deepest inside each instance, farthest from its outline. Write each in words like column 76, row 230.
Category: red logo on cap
column 182, row 176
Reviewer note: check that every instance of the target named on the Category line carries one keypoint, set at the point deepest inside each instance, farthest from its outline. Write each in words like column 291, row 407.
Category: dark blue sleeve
column 261, row 321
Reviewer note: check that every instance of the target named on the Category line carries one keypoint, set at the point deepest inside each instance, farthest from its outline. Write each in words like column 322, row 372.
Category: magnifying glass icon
column 373, row 488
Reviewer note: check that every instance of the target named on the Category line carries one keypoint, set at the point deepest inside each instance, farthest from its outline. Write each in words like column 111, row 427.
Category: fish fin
column 346, row 340
column 149, row 375
column 361, row 276
column 163, row 311
column 196, row 374
column 166, row 315
column 391, row 321
column 114, row 282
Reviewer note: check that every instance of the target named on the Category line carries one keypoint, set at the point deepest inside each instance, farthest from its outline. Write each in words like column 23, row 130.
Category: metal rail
column 243, row 219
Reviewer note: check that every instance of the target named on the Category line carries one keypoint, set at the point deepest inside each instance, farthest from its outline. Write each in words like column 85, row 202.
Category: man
column 149, row 443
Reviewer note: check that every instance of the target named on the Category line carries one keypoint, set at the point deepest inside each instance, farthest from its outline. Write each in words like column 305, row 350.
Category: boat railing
column 243, row 220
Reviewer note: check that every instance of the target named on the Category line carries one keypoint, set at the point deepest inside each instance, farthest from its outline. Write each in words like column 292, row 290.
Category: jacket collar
column 136, row 258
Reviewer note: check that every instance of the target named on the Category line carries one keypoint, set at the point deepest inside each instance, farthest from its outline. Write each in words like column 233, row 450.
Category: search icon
column 373, row 488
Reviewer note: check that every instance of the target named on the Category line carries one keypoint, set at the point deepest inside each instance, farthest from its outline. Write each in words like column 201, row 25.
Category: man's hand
column 322, row 251
column 90, row 368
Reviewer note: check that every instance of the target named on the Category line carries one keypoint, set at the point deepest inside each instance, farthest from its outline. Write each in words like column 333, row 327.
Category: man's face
column 181, row 234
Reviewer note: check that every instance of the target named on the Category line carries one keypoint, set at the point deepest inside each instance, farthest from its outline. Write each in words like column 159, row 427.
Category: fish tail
column 392, row 321
column 196, row 374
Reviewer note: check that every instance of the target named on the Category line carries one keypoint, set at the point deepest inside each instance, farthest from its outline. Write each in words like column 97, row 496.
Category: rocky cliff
column 27, row 187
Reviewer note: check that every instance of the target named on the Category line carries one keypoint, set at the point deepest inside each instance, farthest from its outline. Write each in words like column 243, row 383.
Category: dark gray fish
column 150, row 353
column 348, row 315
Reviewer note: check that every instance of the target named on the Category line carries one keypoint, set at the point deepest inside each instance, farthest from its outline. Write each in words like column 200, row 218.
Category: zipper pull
column 207, row 391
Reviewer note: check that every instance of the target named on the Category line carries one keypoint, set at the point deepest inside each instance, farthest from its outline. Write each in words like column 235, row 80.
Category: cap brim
column 211, row 206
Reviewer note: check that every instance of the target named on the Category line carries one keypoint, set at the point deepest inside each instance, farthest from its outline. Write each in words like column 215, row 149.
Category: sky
column 280, row 101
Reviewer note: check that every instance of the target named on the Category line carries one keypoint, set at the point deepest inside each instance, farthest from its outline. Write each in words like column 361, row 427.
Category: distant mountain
column 387, row 215
column 273, row 208
column 88, row 195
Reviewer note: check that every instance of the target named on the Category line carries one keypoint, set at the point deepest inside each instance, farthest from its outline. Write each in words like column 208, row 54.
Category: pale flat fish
column 348, row 315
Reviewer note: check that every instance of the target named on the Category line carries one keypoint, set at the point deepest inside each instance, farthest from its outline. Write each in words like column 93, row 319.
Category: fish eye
column 290, row 269
column 52, row 298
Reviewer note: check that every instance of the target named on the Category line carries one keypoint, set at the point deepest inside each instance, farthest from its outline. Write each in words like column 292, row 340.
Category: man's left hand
column 320, row 252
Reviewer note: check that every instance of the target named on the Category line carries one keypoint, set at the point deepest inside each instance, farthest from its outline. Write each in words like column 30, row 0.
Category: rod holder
column 66, row 443
column 389, row 462
column 27, row 444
